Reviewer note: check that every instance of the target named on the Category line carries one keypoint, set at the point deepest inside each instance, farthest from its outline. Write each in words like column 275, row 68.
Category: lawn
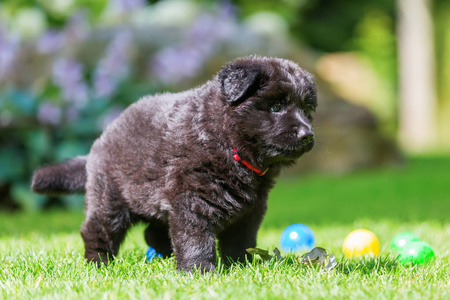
column 41, row 255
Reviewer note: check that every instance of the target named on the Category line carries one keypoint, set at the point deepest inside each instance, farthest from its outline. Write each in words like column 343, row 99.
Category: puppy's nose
column 306, row 137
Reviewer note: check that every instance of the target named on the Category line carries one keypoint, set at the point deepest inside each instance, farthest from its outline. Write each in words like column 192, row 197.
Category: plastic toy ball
column 416, row 252
column 403, row 238
column 296, row 237
column 361, row 242
column 151, row 254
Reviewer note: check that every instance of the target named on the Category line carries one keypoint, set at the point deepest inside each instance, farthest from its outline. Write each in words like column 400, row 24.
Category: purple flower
column 77, row 28
column 50, row 42
column 206, row 35
column 125, row 6
column 9, row 51
column 202, row 34
column 209, row 30
column 226, row 22
column 114, row 66
column 173, row 65
column 71, row 114
column 104, row 86
column 68, row 75
column 48, row 113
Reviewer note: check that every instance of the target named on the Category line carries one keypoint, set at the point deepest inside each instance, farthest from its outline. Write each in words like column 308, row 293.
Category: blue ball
column 296, row 237
column 151, row 254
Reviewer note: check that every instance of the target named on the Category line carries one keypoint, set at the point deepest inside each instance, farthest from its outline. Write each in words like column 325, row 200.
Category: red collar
column 247, row 164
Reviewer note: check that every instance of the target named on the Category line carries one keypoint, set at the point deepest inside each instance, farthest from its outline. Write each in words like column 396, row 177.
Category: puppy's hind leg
column 157, row 237
column 101, row 241
column 106, row 224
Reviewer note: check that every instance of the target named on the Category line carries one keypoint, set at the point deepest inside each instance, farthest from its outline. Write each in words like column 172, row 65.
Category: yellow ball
column 361, row 242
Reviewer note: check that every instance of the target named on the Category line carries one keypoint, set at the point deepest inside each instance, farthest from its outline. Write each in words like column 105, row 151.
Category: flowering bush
column 61, row 85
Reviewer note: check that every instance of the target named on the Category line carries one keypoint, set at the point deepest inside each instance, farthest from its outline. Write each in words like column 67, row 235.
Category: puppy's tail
column 68, row 177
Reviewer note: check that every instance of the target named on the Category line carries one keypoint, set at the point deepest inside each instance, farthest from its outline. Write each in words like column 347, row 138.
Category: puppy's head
column 270, row 102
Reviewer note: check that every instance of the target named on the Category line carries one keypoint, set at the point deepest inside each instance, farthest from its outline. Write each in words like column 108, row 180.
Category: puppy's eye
column 310, row 108
column 275, row 108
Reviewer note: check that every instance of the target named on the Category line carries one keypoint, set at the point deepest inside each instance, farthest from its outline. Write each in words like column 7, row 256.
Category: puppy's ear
column 239, row 82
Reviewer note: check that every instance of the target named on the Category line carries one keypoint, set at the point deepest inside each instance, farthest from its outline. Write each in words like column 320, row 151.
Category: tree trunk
column 417, row 109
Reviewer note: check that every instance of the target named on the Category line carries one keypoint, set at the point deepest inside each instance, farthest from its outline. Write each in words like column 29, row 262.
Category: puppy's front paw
column 192, row 267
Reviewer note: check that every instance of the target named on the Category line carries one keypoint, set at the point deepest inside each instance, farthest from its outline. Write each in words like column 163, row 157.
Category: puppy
column 196, row 165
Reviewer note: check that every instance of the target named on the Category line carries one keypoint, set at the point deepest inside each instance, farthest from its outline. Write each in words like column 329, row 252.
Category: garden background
column 67, row 68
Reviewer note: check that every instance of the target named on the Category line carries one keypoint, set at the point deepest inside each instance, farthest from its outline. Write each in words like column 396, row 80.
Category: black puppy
column 195, row 165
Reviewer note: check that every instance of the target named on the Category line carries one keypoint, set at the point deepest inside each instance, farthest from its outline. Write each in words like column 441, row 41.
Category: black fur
column 239, row 82
column 168, row 161
column 66, row 177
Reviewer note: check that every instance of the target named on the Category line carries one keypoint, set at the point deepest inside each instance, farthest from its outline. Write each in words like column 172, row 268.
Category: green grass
column 41, row 255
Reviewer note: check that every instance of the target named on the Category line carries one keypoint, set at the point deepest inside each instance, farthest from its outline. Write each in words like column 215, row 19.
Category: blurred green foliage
column 404, row 194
